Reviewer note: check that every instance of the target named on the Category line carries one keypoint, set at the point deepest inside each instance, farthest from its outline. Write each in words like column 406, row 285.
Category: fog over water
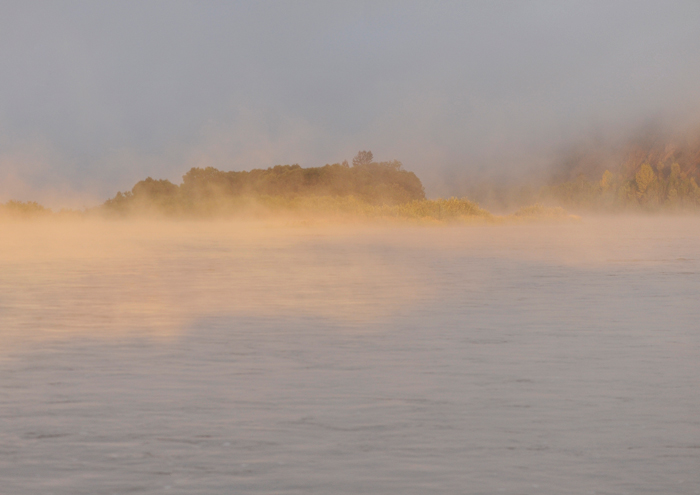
column 320, row 341
column 220, row 357
column 97, row 96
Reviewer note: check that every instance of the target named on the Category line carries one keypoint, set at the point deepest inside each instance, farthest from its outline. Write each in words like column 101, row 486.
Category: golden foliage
column 644, row 177
column 22, row 209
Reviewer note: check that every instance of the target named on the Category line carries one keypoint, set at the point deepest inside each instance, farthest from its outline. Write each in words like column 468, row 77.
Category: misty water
column 205, row 357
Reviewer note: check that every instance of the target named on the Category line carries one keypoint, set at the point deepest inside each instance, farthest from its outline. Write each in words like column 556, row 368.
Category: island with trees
column 365, row 188
column 651, row 178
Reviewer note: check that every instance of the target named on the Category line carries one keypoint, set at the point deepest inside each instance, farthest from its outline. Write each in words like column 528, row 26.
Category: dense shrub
column 209, row 189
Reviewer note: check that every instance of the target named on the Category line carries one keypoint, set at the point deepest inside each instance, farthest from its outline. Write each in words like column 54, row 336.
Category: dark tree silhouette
column 362, row 158
column 377, row 183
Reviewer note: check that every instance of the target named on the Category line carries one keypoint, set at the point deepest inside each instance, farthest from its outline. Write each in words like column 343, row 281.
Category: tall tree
column 362, row 158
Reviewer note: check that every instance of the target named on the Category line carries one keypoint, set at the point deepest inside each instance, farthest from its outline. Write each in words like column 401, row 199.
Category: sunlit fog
column 349, row 247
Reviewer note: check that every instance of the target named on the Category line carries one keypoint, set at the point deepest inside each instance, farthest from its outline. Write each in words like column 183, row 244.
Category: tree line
column 650, row 184
column 206, row 189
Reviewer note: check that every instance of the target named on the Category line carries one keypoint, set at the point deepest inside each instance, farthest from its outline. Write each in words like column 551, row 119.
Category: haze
column 96, row 96
column 219, row 357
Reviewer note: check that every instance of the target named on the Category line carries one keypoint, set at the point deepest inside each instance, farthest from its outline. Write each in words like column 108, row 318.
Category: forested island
column 209, row 189
column 365, row 189
column 650, row 177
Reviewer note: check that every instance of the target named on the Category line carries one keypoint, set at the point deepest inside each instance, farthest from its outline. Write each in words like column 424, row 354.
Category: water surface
column 230, row 358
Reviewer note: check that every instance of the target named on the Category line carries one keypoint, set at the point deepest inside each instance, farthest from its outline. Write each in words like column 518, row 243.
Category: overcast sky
column 95, row 96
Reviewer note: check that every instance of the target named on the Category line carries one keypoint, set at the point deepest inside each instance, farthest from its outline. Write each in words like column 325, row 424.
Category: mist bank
column 651, row 172
column 207, row 190
column 365, row 190
column 654, row 169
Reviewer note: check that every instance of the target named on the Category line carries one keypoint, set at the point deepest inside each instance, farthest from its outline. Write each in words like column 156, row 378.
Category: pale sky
column 97, row 95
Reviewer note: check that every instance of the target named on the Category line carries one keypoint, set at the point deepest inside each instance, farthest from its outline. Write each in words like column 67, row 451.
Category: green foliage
column 155, row 188
column 367, row 189
column 208, row 190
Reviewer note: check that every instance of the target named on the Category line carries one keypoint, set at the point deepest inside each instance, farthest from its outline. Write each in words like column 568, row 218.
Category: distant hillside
column 651, row 173
column 376, row 183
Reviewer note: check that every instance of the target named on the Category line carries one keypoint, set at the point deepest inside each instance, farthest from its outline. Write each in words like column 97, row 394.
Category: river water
column 218, row 358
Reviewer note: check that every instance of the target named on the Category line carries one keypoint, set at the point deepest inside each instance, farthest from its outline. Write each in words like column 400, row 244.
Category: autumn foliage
column 209, row 189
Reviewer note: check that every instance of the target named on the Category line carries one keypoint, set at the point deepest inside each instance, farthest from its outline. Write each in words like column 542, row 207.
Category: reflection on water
column 104, row 279
column 229, row 358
